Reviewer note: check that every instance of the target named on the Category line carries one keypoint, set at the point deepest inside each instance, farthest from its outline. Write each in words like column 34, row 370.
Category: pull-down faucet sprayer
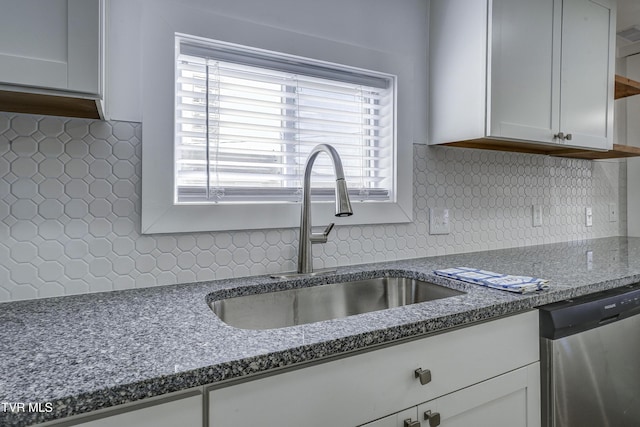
column 343, row 207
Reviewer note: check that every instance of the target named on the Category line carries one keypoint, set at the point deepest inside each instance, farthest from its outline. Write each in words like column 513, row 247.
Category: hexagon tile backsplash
column 70, row 211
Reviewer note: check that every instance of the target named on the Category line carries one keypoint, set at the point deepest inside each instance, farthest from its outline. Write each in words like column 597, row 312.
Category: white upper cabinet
column 53, row 44
column 588, row 72
column 523, row 84
column 538, row 72
column 52, row 48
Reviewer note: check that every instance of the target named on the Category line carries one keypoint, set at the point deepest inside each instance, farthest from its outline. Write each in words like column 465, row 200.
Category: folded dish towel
column 520, row 284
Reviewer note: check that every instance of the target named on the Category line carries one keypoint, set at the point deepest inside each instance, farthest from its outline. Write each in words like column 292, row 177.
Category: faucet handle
column 328, row 229
column 322, row 237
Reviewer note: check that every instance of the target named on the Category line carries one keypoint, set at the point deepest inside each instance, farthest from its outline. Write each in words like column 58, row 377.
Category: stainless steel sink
column 307, row 305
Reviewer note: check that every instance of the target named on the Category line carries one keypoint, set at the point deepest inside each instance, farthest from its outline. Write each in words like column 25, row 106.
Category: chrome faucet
column 343, row 207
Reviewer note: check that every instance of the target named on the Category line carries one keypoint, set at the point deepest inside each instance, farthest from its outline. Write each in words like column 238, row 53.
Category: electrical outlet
column 588, row 216
column 589, row 260
column 613, row 212
column 537, row 215
column 439, row 221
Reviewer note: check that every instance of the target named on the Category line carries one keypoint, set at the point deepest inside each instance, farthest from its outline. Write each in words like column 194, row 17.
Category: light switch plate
column 439, row 221
column 588, row 216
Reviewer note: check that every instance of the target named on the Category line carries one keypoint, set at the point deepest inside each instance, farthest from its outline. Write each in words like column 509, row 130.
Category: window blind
column 245, row 128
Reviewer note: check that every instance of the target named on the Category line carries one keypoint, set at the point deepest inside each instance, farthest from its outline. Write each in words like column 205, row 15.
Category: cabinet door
column 185, row 412
column 53, row 44
column 586, row 107
column 401, row 419
column 524, row 70
column 510, row 400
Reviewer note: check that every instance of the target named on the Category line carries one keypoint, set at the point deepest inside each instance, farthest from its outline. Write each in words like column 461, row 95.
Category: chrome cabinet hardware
column 433, row 418
column 424, row 375
column 409, row 423
column 563, row 136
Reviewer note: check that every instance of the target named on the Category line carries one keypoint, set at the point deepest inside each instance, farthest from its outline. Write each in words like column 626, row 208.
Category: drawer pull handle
column 409, row 423
column 424, row 375
column 433, row 418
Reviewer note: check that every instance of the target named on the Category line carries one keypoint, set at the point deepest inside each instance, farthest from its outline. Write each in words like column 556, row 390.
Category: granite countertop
column 86, row 352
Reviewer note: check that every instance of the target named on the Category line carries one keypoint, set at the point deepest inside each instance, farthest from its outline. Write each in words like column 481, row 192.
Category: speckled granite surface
column 88, row 352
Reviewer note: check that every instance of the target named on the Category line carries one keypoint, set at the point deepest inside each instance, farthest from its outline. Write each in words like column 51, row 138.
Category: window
column 222, row 196
column 246, row 120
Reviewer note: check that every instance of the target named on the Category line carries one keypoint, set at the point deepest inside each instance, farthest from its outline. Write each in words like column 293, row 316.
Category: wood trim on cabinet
column 50, row 105
column 618, row 151
column 514, row 146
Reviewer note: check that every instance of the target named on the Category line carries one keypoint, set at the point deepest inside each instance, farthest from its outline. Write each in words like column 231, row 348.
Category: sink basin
column 313, row 304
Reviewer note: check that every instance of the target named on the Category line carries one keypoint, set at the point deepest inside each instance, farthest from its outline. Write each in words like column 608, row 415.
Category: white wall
column 380, row 35
column 633, row 138
column 620, row 108
column 632, row 71
column 393, row 27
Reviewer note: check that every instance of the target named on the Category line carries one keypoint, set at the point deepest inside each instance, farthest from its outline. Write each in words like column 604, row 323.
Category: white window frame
column 159, row 212
column 298, row 74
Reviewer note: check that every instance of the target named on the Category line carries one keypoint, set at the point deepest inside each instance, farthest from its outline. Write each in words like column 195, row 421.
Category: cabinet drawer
column 356, row 389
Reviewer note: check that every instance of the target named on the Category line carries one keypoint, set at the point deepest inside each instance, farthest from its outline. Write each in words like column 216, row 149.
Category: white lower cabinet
column 509, row 400
column 485, row 371
column 183, row 409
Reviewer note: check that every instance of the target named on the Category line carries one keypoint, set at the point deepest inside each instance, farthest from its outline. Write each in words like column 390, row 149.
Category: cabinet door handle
column 568, row 137
column 424, row 375
column 560, row 135
column 409, row 423
column 433, row 418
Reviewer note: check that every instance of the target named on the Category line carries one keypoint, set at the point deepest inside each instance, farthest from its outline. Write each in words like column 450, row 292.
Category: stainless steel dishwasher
column 590, row 360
